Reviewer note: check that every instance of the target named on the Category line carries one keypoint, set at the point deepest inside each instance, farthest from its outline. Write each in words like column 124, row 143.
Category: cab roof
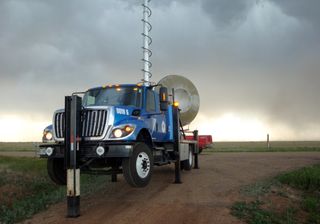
column 116, row 86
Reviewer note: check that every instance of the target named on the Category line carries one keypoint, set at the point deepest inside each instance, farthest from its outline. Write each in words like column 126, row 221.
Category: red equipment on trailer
column 204, row 141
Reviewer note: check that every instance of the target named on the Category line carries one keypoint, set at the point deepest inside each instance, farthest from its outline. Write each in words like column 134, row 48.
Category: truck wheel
column 187, row 164
column 56, row 171
column 137, row 169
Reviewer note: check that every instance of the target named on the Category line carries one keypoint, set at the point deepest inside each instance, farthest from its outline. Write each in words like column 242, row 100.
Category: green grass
column 26, row 189
column 259, row 209
column 22, row 164
column 259, row 188
column 308, row 180
column 18, row 146
column 252, row 213
column 276, row 146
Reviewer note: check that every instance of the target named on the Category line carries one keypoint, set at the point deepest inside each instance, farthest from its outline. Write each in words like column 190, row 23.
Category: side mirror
column 163, row 94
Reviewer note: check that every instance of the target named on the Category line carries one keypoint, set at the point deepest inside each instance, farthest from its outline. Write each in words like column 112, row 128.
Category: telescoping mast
column 147, row 40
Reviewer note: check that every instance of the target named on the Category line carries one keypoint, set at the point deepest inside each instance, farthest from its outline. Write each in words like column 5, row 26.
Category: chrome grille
column 93, row 123
column 59, row 122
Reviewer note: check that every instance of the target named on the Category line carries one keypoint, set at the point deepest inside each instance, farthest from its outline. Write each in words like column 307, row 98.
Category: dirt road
column 204, row 197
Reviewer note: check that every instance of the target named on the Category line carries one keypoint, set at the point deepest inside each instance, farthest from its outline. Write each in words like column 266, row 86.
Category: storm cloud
column 253, row 58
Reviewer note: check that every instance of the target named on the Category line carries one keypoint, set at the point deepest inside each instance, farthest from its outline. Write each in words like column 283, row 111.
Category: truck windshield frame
column 113, row 96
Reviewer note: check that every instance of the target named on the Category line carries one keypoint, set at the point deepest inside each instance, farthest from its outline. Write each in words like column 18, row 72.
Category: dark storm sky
column 250, row 58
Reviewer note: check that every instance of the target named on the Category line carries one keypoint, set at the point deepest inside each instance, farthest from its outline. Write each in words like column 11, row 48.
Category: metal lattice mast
column 147, row 40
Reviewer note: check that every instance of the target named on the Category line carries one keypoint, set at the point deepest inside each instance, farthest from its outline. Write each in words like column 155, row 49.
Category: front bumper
column 88, row 150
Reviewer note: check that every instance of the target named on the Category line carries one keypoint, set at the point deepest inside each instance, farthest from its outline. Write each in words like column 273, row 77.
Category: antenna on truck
column 147, row 40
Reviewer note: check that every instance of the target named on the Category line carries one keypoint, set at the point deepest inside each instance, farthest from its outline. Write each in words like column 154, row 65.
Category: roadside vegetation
column 277, row 146
column 18, row 146
column 25, row 188
column 292, row 197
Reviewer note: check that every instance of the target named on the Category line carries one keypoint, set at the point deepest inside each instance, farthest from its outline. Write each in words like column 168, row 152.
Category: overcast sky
column 254, row 62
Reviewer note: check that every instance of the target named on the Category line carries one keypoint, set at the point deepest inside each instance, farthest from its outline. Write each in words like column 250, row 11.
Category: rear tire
column 56, row 171
column 187, row 164
column 137, row 169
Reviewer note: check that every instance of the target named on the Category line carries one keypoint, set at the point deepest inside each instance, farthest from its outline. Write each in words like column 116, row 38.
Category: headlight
column 48, row 136
column 117, row 133
column 122, row 131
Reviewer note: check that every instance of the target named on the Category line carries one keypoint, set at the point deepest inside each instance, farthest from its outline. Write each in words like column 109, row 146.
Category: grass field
column 291, row 197
column 277, row 146
column 18, row 146
column 26, row 189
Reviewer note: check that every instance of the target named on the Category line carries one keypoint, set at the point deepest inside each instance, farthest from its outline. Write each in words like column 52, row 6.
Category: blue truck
column 126, row 129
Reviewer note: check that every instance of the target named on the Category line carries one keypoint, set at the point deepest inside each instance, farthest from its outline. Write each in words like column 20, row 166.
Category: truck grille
column 93, row 123
column 59, row 124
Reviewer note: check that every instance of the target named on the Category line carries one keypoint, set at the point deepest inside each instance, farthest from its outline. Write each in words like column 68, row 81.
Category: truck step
column 162, row 163
column 168, row 149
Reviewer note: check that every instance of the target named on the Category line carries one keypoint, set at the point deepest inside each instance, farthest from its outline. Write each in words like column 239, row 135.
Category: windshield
column 114, row 96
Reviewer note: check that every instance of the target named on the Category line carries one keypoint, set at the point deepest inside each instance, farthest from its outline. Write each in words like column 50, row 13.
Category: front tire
column 56, row 171
column 137, row 169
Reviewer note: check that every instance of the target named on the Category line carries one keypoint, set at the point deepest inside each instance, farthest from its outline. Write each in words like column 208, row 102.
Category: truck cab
column 119, row 113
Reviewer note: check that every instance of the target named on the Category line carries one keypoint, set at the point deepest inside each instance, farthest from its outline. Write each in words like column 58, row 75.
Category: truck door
column 156, row 120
